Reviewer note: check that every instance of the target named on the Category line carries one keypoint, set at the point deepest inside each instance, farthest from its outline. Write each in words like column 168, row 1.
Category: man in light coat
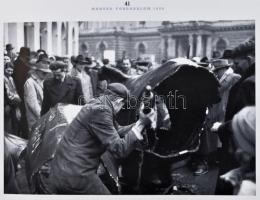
column 33, row 92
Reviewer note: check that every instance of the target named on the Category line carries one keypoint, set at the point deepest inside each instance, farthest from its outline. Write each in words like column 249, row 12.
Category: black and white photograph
column 133, row 107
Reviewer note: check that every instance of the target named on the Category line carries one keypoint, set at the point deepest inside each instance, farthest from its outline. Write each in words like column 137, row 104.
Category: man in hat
column 21, row 69
column 97, row 86
column 9, row 49
column 33, row 92
column 78, row 71
column 93, row 132
column 79, row 64
column 227, row 78
column 61, row 88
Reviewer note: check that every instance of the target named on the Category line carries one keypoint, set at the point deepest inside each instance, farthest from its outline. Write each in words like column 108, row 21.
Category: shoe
column 201, row 168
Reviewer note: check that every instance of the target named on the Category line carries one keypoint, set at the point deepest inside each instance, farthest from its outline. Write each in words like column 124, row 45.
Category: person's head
column 105, row 61
column 40, row 51
column 73, row 60
column 118, row 94
column 243, row 128
column 127, row 63
column 80, row 63
column 124, row 65
column 42, row 70
column 9, row 47
column 59, row 70
column 9, row 69
column 7, row 59
column 44, row 58
column 89, row 62
column 25, row 53
column 52, row 59
column 243, row 56
column 220, row 66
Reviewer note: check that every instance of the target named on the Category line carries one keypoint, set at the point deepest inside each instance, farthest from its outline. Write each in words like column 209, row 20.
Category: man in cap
column 33, row 92
column 61, row 88
column 92, row 133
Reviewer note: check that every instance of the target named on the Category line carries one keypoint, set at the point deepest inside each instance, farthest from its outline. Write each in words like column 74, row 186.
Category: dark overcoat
column 69, row 91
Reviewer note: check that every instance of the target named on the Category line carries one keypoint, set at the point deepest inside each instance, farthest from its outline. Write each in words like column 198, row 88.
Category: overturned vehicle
column 183, row 91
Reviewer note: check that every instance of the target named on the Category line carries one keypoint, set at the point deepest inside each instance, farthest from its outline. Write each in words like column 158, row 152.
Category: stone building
column 57, row 38
column 162, row 39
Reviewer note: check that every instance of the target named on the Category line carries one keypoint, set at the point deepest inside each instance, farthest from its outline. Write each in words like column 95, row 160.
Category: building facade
column 56, row 38
column 162, row 40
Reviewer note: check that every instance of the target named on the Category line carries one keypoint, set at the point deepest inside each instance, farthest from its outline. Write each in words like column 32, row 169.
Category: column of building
column 166, row 45
column 209, row 47
column 199, row 46
column 190, row 39
column 14, row 33
column 36, row 35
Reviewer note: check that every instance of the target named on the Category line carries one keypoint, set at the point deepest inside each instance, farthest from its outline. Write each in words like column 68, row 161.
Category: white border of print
column 82, row 10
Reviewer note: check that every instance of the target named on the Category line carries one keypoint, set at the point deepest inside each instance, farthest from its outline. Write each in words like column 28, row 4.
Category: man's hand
column 215, row 127
column 144, row 120
column 148, row 118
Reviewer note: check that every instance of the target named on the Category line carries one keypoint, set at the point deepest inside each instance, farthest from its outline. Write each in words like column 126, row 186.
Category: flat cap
column 119, row 89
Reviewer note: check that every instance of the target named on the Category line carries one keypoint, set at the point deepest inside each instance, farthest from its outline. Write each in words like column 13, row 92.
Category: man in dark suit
column 61, row 88
column 93, row 132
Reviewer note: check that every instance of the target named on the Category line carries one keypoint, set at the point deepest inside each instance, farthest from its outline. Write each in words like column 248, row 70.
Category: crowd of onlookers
column 28, row 95
column 229, row 138
column 34, row 82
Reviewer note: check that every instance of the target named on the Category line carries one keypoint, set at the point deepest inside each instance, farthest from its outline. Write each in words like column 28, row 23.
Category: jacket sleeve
column 30, row 98
column 102, row 127
column 45, row 101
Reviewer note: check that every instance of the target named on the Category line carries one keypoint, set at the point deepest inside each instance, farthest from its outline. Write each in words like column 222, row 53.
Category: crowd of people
column 32, row 84
column 35, row 82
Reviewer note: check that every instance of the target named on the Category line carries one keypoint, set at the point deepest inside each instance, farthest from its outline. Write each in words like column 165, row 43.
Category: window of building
column 221, row 45
column 141, row 49
column 102, row 48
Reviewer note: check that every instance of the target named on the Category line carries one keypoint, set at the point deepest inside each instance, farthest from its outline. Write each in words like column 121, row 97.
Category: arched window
column 221, row 45
column 102, row 48
column 141, row 49
column 83, row 47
